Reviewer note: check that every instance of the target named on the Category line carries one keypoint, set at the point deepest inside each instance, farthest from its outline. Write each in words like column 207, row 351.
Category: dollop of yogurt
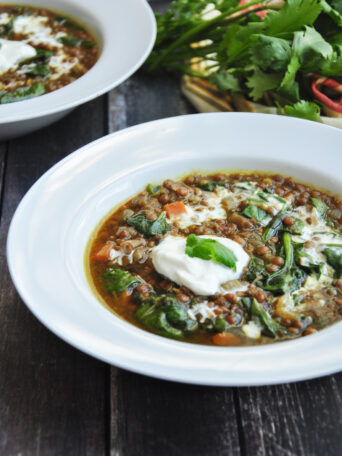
column 202, row 277
column 12, row 53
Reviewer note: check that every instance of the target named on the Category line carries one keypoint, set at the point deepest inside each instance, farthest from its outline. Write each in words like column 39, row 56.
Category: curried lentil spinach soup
column 41, row 51
column 224, row 259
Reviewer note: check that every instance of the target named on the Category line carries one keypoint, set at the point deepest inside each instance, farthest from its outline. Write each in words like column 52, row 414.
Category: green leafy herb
column 68, row 23
column 320, row 206
column 271, row 53
column 289, row 277
column 165, row 315
column 117, row 280
column 42, row 55
column 269, row 60
column 153, row 189
column 41, row 70
column 68, row 40
column 88, row 44
column 304, row 110
column 209, row 249
column 23, row 93
column 149, row 227
column 255, row 267
column 210, row 186
column 260, row 82
column 297, row 227
column 274, row 226
column 220, row 324
column 254, row 212
column 6, row 30
column 335, row 260
column 271, row 327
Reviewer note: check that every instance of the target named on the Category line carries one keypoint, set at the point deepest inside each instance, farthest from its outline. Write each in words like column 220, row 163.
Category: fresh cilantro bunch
column 239, row 51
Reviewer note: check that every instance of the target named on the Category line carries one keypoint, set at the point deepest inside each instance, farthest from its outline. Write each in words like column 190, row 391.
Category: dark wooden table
column 54, row 400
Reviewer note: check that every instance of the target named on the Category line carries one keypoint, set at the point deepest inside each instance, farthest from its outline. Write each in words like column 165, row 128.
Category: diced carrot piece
column 175, row 208
column 102, row 253
column 225, row 339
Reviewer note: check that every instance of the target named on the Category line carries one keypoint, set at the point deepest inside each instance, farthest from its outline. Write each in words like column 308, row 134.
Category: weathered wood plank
column 155, row 417
column 299, row 419
column 52, row 397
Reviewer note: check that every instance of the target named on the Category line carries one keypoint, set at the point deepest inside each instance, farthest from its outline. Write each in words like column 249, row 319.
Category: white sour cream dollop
column 12, row 53
column 202, row 277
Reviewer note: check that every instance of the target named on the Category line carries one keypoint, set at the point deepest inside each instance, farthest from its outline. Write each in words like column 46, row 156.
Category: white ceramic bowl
column 126, row 30
column 52, row 225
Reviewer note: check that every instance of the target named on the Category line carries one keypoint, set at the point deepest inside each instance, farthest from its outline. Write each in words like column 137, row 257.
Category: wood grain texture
column 52, row 397
column 155, row 417
column 299, row 419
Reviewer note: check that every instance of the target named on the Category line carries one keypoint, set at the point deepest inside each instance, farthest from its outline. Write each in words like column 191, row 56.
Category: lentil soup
column 41, row 51
column 226, row 259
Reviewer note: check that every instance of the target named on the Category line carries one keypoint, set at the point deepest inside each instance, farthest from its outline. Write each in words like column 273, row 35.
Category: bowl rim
column 80, row 91
column 178, row 346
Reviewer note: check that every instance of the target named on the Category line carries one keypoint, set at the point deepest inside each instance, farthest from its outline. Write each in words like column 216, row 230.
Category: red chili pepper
column 334, row 105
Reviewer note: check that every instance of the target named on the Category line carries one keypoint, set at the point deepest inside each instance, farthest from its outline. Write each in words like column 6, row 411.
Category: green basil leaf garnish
column 209, row 249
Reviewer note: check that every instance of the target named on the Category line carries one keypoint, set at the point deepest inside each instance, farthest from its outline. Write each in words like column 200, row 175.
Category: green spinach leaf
column 118, row 280
column 335, row 260
column 165, row 315
column 254, row 212
column 149, row 227
column 274, row 226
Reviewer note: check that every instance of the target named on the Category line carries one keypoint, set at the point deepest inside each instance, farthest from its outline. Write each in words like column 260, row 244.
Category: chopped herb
column 288, row 278
column 42, row 55
column 165, row 315
column 209, row 249
column 117, row 280
column 255, row 268
column 335, row 260
column 297, row 227
column 67, row 23
column 274, row 226
column 279, row 198
column 153, row 189
column 320, row 206
column 270, row 327
column 262, row 196
column 210, row 186
column 6, row 30
column 88, row 44
column 149, row 227
column 23, row 93
column 41, row 70
column 68, row 40
column 220, row 324
column 254, row 212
